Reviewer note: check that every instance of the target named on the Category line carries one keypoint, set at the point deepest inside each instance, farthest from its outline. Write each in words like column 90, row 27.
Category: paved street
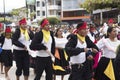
column 12, row 75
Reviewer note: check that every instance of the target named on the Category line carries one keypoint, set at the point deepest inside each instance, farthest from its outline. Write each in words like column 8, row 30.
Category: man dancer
column 44, row 43
column 21, row 39
column 78, row 48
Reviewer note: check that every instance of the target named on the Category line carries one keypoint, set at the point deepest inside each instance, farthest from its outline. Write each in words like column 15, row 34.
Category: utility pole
column 46, row 7
column 28, row 11
column 4, row 9
column 26, row 8
column 101, row 17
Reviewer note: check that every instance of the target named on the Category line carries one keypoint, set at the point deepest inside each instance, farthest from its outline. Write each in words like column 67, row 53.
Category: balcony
column 54, row 7
column 58, row 16
column 72, row 9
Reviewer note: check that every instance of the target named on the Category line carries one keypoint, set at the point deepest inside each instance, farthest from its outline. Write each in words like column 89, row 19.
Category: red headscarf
column 45, row 21
column 22, row 21
column 8, row 30
column 84, row 26
column 111, row 21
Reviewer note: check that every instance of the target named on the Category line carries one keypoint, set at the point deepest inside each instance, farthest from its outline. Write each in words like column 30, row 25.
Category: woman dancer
column 108, row 45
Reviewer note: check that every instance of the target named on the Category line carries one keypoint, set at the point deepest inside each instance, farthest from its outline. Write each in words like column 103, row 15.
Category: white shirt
column 80, row 58
column 60, row 42
column 109, row 47
column 43, row 53
column 23, row 41
column 7, row 45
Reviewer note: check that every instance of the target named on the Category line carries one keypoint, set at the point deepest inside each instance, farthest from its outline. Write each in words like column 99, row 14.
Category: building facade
column 48, row 8
column 101, row 15
column 66, row 10
column 71, row 11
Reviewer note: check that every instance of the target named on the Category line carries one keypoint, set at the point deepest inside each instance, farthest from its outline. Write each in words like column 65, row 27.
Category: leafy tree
column 6, row 20
column 32, row 14
column 18, row 13
column 88, row 5
column 15, row 12
column 53, row 20
column 91, row 5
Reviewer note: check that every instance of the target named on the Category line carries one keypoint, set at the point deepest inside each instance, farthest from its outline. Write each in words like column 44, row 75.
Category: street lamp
column 46, row 7
column 28, row 3
column 4, row 9
column 26, row 8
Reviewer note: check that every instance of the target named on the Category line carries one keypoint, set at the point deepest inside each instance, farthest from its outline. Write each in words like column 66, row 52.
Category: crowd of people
column 85, row 51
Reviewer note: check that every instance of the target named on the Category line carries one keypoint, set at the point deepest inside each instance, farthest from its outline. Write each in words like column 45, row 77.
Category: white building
column 48, row 8
column 66, row 10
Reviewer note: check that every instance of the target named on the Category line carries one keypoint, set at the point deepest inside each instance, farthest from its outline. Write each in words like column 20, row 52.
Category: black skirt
column 7, row 57
column 102, row 65
column 62, row 62
column 1, row 59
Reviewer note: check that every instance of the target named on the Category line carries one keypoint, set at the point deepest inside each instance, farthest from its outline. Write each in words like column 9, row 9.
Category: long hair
column 56, row 32
column 109, row 30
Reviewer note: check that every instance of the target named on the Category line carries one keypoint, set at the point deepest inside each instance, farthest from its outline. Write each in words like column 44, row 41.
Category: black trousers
column 43, row 63
column 81, row 71
column 22, row 62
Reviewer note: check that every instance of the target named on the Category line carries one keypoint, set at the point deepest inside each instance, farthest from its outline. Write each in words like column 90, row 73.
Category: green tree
column 53, row 20
column 15, row 12
column 91, row 5
column 88, row 5
column 32, row 14
column 18, row 13
column 6, row 20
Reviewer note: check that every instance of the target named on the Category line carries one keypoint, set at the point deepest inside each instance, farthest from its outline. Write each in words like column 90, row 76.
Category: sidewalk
column 31, row 77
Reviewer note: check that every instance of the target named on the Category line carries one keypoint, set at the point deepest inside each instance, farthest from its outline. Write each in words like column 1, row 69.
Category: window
column 59, row 13
column 51, row 12
column 43, row 4
column 43, row 13
column 38, row 13
column 58, row 3
column 38, row 3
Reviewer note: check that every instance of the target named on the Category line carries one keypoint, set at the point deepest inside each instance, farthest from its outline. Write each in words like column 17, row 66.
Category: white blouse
column 60, row 42
column 7, row 45
column 109, row 47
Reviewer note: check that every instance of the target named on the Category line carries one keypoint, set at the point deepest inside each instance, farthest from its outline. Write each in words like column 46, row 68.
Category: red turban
column 84, row 26
column 110, row 21
column 45, row 21
column 8, row 30
column 22, row 21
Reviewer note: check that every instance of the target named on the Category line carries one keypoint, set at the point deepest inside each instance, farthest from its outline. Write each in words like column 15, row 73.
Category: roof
column 75, row 18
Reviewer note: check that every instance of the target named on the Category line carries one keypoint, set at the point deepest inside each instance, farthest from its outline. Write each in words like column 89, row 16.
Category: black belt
column 78, row 65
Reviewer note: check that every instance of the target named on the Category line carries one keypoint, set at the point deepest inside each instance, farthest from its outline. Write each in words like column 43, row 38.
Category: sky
column 11, row 4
